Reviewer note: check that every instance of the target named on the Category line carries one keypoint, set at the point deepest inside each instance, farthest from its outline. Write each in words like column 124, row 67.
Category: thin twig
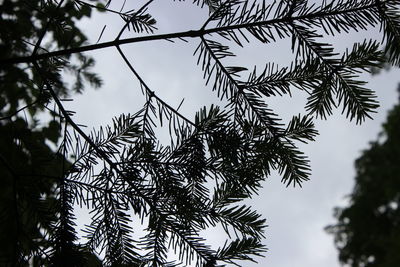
column 19, row 110
column 100, row 8
column 151, row 93
column 44, row 30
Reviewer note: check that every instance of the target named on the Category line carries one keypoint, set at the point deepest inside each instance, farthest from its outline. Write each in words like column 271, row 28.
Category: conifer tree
column 215, row 161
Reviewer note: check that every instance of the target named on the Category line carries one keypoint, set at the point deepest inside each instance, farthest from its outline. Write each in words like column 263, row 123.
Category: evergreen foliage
column 122, row 173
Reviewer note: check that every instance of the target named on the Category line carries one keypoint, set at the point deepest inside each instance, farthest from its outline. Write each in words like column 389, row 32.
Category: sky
column 296, row 216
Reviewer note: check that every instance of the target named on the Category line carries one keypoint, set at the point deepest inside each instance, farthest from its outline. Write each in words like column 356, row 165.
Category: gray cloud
column 296, row 216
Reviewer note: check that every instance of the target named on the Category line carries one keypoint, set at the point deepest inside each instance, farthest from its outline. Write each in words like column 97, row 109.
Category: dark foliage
column 368, row 229
column 215, row 161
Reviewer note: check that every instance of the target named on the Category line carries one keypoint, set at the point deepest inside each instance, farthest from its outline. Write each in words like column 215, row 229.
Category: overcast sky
column 296, row 216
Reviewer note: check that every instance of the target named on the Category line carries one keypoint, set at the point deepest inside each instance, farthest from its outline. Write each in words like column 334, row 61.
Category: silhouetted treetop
column 368, row 228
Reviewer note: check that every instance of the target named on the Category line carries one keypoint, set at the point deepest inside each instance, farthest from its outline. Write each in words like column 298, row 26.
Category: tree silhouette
column 122, row 173
column 368, row 229
column 30, row 167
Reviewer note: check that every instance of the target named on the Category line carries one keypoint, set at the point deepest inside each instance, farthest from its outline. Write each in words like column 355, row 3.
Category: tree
column 29, row 164
column 213, row 162
column 367, row 232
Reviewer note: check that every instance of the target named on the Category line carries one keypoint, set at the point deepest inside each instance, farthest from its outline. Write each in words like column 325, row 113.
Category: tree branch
column 179, row 35
column 114, row 166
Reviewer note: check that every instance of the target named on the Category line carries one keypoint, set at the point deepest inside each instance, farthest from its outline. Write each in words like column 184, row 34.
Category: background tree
column 368, row 229
column 29, row 164
column 214, row 161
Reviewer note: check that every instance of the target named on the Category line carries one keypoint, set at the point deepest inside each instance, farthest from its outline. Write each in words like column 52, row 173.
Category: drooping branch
column 151, row 93
column 172, row 227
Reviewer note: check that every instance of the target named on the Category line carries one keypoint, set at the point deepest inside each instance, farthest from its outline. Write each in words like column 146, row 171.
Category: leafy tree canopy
column 122, row 173
column 29, row 166
column 368, row 229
